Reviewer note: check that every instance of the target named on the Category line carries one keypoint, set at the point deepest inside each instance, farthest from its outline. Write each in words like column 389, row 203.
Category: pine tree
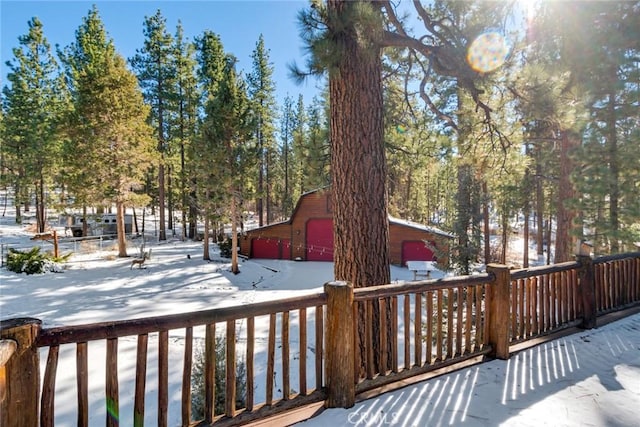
column 209, row 193
column 33, row 105
column 227, row 128
column 108, row 123
column 314, row 163
column 261, row 88
column 285, row 186
column 155, row 68
column 185, row 105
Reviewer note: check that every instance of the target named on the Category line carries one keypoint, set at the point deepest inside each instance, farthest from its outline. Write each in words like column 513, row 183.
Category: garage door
column 416, row 250
column 265, row 248
column 320, row 240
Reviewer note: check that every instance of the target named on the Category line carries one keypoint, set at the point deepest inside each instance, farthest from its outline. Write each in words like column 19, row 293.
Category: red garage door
column 320, row 240
column 416, row 251
column 265, row 248
column 271, row 248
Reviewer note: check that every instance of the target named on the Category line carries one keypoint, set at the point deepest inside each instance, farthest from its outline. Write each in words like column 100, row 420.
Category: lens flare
column 488, row 52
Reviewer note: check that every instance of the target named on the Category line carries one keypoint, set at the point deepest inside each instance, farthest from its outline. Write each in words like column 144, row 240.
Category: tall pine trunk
column 122, row 238
column 565, row 214
column 614, row 169
column 360, row 219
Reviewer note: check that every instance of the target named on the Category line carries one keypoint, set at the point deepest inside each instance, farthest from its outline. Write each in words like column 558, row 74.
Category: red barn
column 308, row 235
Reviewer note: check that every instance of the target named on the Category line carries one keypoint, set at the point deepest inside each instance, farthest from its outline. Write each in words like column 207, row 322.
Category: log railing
column 418, row 327
column 360, row 339
column 543, row 300
column 617, row 281
column 222, row 323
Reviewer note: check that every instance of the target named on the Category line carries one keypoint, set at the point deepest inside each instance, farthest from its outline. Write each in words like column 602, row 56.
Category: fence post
column 587, row 289
column 340, row 345
column 20, row 377
column 498, row 310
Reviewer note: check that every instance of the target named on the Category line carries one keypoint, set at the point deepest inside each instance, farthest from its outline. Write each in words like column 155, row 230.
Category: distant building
column 308, row 235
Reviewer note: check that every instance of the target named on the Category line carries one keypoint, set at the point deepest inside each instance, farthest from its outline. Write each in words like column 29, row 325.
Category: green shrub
column 225, row 248
column 33, row 261
column 198, row 383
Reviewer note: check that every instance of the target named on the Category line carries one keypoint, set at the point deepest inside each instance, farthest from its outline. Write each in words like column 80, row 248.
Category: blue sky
column 239, row 24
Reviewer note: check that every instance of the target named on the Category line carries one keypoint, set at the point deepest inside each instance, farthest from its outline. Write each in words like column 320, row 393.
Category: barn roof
column 419, row 226
column 394, row 220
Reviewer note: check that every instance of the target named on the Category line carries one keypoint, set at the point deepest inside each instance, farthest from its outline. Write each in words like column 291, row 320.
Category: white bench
column 421, row 268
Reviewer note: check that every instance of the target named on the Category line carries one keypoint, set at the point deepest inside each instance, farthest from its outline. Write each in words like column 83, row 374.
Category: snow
column 591, row 378
column 586, row 379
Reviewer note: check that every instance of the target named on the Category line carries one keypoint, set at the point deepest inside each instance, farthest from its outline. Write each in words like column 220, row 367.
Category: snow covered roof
column 419, row 226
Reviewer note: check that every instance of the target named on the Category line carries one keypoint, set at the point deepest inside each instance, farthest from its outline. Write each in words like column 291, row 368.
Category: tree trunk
column 205, row 239
column 566, row 193
column 614, row 169
column 234, row 234
column 122, row 238
column 259, row 202
column 360, row 219
column 161, row 205
column 487, row 226
column 171, row 225
column 85, row 226
column 539, row 206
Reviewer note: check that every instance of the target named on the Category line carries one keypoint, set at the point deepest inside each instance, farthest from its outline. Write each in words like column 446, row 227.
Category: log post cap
column 7, row 348
column 497, row 267
column 18, row 322
column 22, row 330
column 337, row 284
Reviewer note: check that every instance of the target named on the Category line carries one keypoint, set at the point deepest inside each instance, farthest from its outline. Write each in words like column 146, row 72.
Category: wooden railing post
column 587, row 290
column 340, row 345
column 20, row 376
column 498, row 310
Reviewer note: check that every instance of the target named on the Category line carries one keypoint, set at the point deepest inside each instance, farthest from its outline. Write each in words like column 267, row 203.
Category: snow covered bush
column 33, row 261
column 198, row 381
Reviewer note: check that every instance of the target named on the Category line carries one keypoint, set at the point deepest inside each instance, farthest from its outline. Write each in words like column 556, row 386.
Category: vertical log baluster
column 141, row 378
column 250, row 352
column 383, row 356
column 429, row 337
column 554, row 301
column 417, row 330
column 541, row 304
column 113, row 405
column 468, row 318
column 407, row 331
column 459, row 320
column 394, row 334
column 440, row 325
column 479, row 310
column 163, row 377
column 82, row 378
column 230, row 368
column 369, row 338
column 209, row 372
column 357, row 339
column 320, row 346
column 186, row 377
column 450, row 313
column 286, row 387
column 271, row 349
column 47, row 413
column 513, row 309
column 302, row 314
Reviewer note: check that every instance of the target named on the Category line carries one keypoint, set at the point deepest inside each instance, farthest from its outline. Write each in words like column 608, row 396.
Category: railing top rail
column 543, row 269
column 121, row 328
column 395, row 289
column 616, row 257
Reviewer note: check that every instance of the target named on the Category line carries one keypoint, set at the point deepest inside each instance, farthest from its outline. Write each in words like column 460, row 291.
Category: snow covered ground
column 592, row 378
column 586, row 379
